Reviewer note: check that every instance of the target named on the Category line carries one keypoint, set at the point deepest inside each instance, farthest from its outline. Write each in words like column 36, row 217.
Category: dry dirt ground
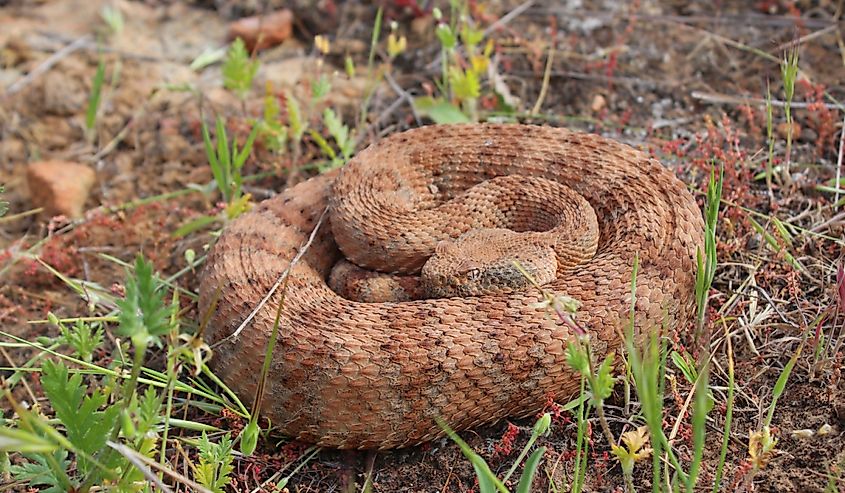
column 685, row 81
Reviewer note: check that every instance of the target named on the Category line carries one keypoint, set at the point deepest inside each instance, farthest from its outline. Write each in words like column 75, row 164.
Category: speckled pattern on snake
column 355, row 375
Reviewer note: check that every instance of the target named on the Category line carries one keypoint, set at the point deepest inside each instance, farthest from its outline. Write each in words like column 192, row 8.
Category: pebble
column 598, row 103
column 783, row 130
column 60, row 187
column 261, row 32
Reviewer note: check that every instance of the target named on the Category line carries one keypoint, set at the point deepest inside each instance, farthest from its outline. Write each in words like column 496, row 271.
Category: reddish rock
column 261, row 32
column 60, row 187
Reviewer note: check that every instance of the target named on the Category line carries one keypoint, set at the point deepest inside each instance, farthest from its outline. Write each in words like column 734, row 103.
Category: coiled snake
column 350, row 374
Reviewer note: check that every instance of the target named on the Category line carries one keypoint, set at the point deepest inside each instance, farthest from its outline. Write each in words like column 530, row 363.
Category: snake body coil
column 348, row 374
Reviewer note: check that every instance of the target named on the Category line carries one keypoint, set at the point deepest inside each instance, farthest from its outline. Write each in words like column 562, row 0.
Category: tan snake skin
column 347, row 374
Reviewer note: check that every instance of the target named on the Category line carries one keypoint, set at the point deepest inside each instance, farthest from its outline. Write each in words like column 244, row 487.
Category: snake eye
column 474, row 274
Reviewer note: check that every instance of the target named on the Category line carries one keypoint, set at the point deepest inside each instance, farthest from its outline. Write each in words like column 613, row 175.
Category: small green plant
column 94, row 419
column 340, row 133
column 272, row 133
column 487, row 481
column 706, row 261
column 239, row 69
column 634, row 450
column 95, row 97
column 460, row 84
column 215, row 463
column 226, row 162
column 83, row 338
column 113, row 18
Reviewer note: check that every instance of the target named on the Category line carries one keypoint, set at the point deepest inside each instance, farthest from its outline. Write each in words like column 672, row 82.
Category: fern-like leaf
column 239, row 69
column 38, row 472
column 86, row 426
column 143, row 314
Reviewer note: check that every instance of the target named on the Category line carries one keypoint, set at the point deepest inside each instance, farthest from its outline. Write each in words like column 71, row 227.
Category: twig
column 508, row 17
column 807, row 37
column 547, row 74
column 278, row 282
column 47, row 64
column 404, row 95
column 21, row 215
column 717, row 98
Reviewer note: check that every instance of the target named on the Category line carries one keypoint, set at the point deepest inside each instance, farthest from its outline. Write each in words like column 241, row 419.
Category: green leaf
column 339, row 132
column 530, row 470
column 214, row 163
column 295, row 122
column 439, row 110
column 194, row 225
column 470, row 36
column 215, row 463
column 487, row 481
column 147, row 411
column 686, row 367
column 83, row 338
column 446, row 36
column 143, row 314
column 320, row 88
column 249, row 438
column 464, row 83
column 577, row 358
column 604, row 380
column 208, row 57
column 17, row 440
column 38, row 471
column 95, row 96
column 87, row 427
column 238, row 69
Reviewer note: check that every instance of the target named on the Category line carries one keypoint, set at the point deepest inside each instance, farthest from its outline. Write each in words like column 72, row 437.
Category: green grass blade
column 96, row 95
column 216, row 171
column 487, row 481
column 780, row 385
column 726, row 438
column 528, row 474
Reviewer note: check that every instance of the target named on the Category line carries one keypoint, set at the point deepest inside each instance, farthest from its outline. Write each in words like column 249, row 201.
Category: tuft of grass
column 706, row 262
column 226, row 162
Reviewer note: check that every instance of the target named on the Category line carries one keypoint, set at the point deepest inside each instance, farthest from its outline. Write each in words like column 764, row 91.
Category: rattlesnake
column 348, row 374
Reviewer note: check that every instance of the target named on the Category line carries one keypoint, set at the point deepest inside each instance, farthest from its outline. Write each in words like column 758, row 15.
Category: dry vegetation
column 142, row 93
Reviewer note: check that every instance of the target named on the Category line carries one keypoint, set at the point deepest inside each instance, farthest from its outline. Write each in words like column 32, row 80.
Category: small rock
column 261, row 32
column 598, row 103
column 783, row 129
column 60, row 187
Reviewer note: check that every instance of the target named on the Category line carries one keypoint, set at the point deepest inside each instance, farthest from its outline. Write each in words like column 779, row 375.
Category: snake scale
column 354, row 375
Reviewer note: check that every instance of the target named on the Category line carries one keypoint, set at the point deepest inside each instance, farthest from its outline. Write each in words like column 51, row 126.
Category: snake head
column 482, row 262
